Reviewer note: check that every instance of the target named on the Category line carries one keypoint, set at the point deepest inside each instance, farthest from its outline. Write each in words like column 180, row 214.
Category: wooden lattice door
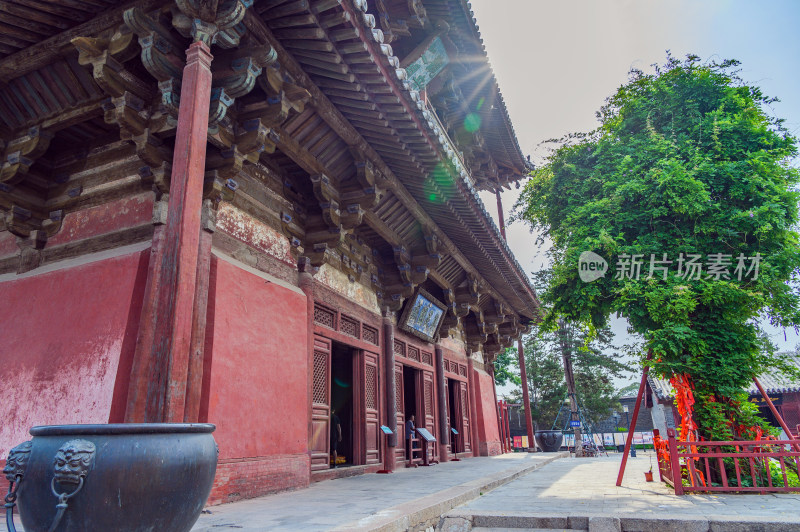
column 321, row 405
column 462, row 410
column 428, row 398
column 400, row 450
column 372, row 433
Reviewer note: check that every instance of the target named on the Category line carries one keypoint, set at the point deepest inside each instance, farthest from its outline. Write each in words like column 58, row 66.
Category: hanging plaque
column 422, row 316
column 428, row 65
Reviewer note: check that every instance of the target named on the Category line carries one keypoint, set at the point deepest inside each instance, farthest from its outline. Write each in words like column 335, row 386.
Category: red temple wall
column 67, row 334
column 256, row 382
column 488, row 431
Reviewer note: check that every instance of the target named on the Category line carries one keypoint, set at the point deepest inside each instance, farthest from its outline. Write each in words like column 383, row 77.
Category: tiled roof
column 773, row 381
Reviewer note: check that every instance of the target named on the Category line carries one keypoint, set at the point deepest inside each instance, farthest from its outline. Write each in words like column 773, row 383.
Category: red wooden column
column 306, row 283
column 500, row 220
column 499, row 413
column 161, row 365
column 194, row 378
column 473, row 405
column 389, row 458
column 444, row 430
column 526, row 397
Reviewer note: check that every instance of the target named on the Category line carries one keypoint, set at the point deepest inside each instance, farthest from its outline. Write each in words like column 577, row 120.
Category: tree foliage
column 595, row 362
column 503, row 368
column 685, row 162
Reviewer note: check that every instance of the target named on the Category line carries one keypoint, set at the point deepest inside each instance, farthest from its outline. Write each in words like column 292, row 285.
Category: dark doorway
column 342, row 398
column 452, row 394
column 410, row 401
column 410, row 393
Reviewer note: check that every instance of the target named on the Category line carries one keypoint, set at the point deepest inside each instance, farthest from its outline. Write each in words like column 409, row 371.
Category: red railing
column 762, row 466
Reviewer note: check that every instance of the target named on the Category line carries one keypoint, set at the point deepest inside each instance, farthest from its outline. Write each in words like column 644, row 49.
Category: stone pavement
column 404, row 499
column 586, row 487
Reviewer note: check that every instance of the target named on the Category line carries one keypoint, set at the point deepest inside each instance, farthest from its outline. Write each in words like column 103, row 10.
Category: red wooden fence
column 762, row 466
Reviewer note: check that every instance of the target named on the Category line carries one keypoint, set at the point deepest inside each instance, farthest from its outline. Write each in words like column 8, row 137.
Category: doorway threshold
column 346, row 471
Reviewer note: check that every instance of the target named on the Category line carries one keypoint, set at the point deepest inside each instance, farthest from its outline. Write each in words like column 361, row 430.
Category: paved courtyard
column 586, row 487
column 371, row 500
column 513, row 490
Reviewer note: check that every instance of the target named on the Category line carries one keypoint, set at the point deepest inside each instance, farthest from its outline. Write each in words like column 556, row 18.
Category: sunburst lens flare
column 472, row 122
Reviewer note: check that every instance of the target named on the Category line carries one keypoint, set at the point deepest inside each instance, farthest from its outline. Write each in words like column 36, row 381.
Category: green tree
column 686, row 166
column 630, row 389
column 506, row 368
column 595, row 363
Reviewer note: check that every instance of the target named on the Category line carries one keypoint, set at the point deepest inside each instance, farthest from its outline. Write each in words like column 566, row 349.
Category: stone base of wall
column 246, row 478
column 490, row 448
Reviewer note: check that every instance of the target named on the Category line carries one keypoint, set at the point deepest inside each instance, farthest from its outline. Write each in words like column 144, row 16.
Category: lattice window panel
column 370, row 334
column 427, row 358
column 398, row 391
column 349, row 326
column 462, row 370
column 324, row 316
column 413, row 353
column 428, row 398
column 464, row 401
column 399, row 348
column 320, row 377
column 371, row 387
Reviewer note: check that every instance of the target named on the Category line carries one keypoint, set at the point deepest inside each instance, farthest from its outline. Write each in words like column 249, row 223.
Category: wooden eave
column 353, row 68
column 357, row 88
column 497, row 126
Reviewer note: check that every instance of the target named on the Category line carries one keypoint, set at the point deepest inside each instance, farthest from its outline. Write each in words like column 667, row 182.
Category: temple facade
column 262, row 215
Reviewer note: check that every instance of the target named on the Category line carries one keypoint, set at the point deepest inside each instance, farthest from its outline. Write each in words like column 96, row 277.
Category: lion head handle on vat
column 17, row 461
column 73, row 461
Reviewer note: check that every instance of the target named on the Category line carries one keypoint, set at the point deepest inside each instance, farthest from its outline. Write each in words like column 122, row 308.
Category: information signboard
column 427, row 436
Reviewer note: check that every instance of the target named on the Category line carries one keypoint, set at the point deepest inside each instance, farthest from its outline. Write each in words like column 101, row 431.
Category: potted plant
column 648, row 475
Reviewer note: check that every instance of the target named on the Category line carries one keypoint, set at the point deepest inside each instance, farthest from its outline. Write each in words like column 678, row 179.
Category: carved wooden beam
column 468, row 293
column 496, row 312
column 106, row 55
column 43, row 53
column 333, row 117
column 21, row 153
column 213, row 22
column 234, row 73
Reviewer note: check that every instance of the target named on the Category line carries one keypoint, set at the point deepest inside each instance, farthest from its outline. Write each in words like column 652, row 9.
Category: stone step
column 483, row 529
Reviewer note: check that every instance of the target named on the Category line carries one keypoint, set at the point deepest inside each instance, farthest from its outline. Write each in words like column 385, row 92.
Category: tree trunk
column 566, row 355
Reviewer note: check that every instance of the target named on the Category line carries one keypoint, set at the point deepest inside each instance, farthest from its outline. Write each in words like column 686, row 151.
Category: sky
column 557, row 61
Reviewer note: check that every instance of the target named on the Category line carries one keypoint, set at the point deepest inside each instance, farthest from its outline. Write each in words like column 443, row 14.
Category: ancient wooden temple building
column 255, row 214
